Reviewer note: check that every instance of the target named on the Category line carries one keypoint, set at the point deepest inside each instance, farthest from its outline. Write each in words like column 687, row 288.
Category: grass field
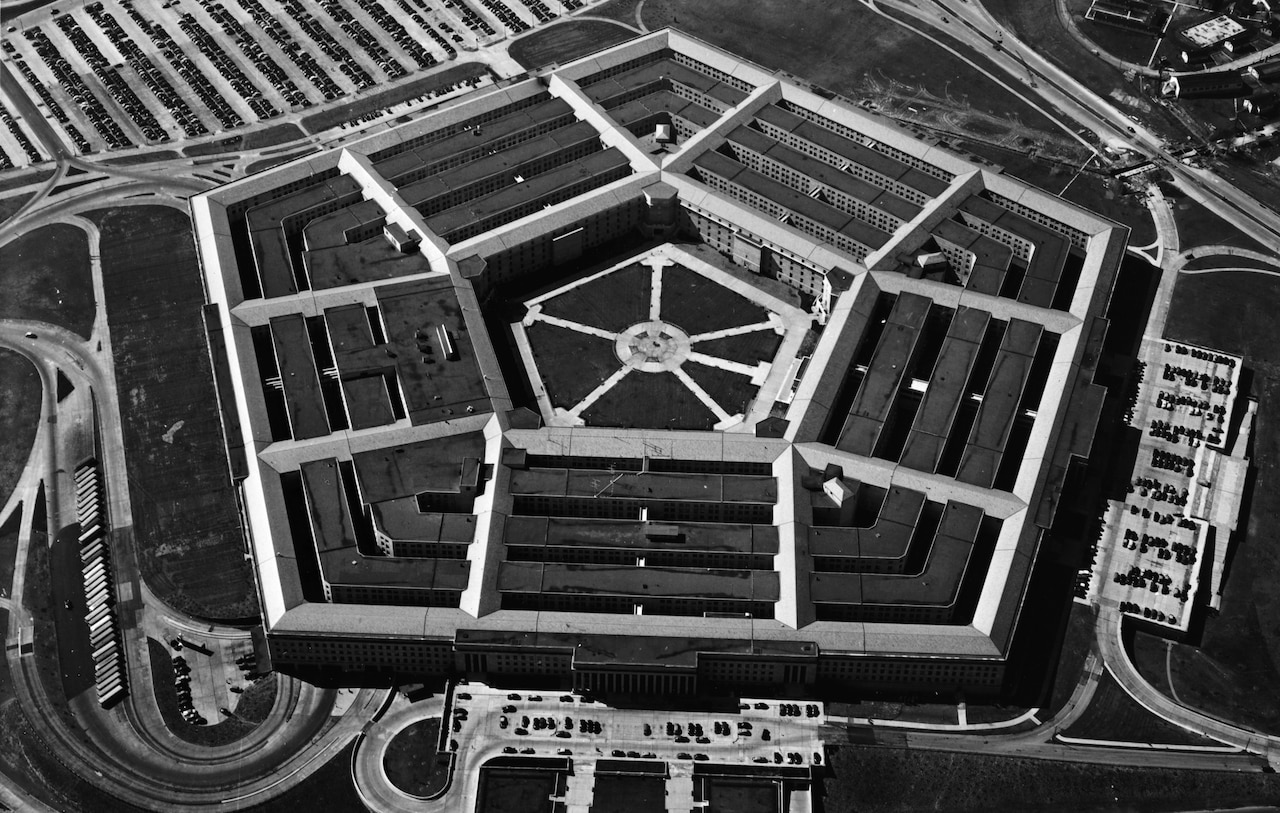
column 9, row 558
column 651, row 401
column 267, row 163
column 45, row 276
column 343, row 113
column 15, row 180
column 185, row 518
column 255, row 140
column 614, row 302
column 1114, row 715
column 695, row 304
column 329, row 789
column 731, row 391
column 412, row 763
column 1075, row 648
column 725, row 795
column 512, row 790
column 1093, row 192
column 26, row 759
column 1235, row 671
column 20, row 394
column 629, row 794
column 141, row 158
column 1230, row 261
column 571, row 364
column 1038, row 26
column 566, row 41
column 9, row 206
column 845, row 48
column 747, row 348
column 1197, row 226
column 888, row 780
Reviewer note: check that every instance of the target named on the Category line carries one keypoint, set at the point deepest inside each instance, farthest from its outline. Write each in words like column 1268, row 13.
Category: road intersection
column 132, row 755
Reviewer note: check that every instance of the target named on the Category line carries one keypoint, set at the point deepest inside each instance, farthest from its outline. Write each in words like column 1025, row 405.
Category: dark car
column 510, row 749
column 619, row 753
column 521, row 732
column 503, row 722
column 566, row 698
column 762, row 705
column 513, row 696
column 684, row 755
column 701, row 757
column 564, row 735
column 703, row 740
column 508, row 709
column 463, row 696
column 682, row 739
column 648, row 729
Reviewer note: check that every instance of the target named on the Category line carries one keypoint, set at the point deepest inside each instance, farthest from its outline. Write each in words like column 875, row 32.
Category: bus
column 97, row 612
column 92, row 549
column 101, row 623
column 103, row 650
column 109, row 697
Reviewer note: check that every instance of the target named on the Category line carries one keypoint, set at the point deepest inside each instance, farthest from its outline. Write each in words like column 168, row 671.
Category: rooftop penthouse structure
column 652, row 373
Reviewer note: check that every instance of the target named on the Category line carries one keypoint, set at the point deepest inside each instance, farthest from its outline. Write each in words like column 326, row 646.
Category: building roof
column 399, row 397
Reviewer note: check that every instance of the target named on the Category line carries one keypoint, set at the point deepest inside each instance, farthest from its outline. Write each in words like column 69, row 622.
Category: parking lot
column 113, row 74
column 758, row 732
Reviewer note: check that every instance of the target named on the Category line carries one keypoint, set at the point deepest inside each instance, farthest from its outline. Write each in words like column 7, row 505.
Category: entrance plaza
column 591, row 739
column 783, row 408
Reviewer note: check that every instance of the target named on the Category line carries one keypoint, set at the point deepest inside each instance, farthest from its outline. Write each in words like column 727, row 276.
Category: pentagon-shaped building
column 655, row 372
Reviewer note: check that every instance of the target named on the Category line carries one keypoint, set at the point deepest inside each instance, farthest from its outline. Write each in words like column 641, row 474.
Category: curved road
column 132, row 755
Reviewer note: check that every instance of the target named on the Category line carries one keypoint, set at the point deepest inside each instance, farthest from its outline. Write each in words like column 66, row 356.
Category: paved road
column 974, row 26
column 481, row 736
column 133, row 755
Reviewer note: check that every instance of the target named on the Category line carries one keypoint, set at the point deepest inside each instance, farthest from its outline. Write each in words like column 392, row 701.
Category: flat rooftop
column 417, row 478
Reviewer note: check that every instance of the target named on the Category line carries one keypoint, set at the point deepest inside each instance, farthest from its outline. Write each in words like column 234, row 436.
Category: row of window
column 1022, row 248
column 439, row 658
column 628, row 556
column 624, row 67
column 780, row 172
column 866, row 140
column 802, row 277
column 843, row 162
column 628, row 605
column 1078, row 238
column 714, row 73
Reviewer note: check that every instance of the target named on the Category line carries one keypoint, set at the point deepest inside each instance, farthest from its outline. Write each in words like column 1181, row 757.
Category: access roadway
column 127, row 751
column 976, row 28
column 485, row 730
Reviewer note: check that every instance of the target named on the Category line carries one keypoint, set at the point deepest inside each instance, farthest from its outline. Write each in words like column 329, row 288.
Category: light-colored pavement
column 497, row 722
